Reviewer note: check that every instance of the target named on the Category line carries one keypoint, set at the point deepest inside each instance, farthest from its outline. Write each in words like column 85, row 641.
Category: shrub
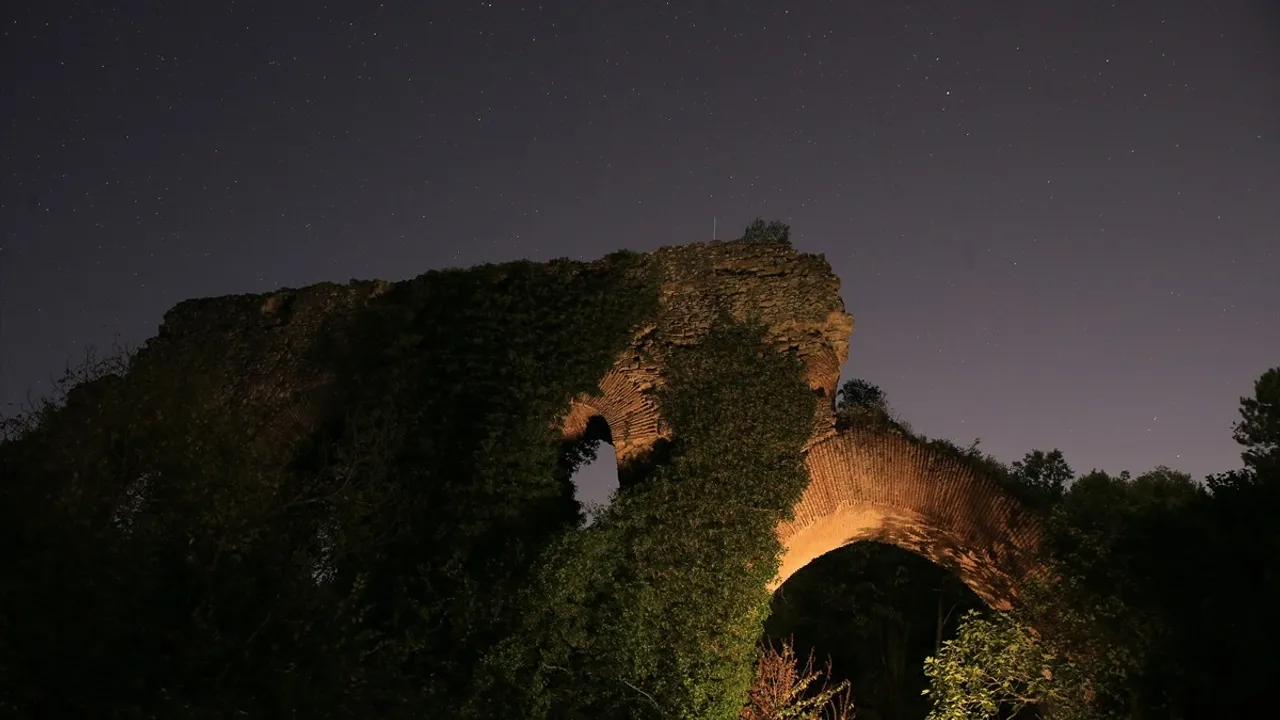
column 773, row 232
column 782, row 689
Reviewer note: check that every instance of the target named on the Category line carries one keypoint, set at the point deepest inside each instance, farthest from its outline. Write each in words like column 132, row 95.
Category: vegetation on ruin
column 155, row 565
column 423, row 549
column 1157, row 603
column 1161, row 600
column 771, row 232
column 421, row 553
column 784, row 687
column 655, row 610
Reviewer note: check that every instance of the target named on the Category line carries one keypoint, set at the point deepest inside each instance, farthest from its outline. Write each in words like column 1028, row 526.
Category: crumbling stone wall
column 257, row 356
column 259, row 350
column 796, row 295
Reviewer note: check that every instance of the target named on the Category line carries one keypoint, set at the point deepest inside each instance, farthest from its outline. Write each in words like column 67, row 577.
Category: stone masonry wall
column 794, row 294
column 256, row 350
column 254, row 355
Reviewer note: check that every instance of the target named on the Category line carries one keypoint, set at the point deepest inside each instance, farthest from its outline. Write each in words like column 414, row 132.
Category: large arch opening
column 892, row 541
column 875, row 611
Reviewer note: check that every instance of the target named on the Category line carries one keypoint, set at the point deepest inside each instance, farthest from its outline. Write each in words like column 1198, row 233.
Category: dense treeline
column 1160, row 604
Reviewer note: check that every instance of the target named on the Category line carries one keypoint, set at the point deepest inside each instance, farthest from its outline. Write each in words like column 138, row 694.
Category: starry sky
column 1057, row 223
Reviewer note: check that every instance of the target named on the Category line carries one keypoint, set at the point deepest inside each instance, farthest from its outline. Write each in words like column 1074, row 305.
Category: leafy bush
column 1099, row 630
column 783, row 689
column 774, row 232
column 995, row 667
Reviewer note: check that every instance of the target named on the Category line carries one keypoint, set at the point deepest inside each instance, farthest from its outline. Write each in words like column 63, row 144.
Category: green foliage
column 478, row 378
column 1045, row 475
column 1103, row 639
column 94, row 366
column 156, row 565
column 774, row 232
column 857, row 392
column 860, row 404
column 146, row 555
column 1229, row 620
column 1051, row 653
column 1047, row 472
column 996, row 667
column 655, row 610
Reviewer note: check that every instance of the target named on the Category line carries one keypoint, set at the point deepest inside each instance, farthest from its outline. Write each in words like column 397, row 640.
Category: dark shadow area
column 877, row 612
column 638, row 469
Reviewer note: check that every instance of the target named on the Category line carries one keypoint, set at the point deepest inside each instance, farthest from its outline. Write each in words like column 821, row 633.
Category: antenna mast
column 713, row 227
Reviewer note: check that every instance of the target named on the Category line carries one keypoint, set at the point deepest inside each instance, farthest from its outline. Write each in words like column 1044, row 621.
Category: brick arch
column 885, row 487
column 632, row 414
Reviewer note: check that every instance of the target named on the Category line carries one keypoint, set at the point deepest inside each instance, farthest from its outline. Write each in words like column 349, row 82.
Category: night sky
column 1057, row 223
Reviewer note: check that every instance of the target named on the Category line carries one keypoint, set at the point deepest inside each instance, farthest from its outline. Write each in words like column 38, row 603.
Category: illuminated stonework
column 884, row 487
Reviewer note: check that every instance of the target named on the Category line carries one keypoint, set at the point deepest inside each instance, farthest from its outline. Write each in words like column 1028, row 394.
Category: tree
column 1233, row 654
column 774, row 232
column 997, row 666
column 1118, row 555
column 1046, row 474
column 857, row 392
column 1259, row 428
column 783, row 689
column 860, row 404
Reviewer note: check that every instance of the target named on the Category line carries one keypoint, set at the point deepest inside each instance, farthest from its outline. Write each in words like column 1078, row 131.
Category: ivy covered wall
column 354, row 500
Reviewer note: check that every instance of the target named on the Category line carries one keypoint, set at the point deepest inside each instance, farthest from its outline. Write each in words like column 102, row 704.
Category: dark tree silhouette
column 857, row 392
column 772, row 232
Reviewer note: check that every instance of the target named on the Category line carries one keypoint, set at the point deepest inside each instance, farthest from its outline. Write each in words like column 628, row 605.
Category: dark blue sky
column 1057, row 224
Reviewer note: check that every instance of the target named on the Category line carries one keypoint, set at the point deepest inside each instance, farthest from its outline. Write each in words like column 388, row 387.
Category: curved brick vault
column 864, row 486
column 885, row 487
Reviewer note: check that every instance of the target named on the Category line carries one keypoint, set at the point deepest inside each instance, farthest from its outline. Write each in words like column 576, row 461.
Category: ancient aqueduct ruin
column 865, row 485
